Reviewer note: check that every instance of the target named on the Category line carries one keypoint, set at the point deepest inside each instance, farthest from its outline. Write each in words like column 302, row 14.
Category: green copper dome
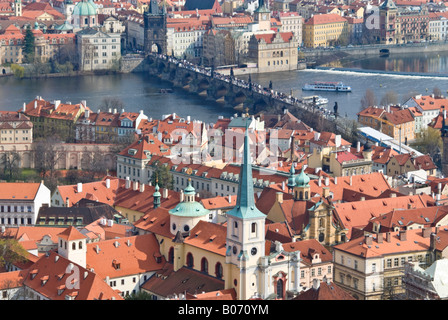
column 302, row 180
column 189, row 207
column 85, row 8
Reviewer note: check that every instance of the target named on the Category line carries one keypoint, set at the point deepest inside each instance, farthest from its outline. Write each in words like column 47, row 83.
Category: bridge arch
column 240, row 97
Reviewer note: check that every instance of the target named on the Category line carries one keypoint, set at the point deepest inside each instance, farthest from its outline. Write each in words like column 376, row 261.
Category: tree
column 46, row 156
column 28, row 47
column 9, row 164
column 368, row 99
column 162, row 176
column 437, row 92
column 111, row 103
column 18, row 71
column 141, row 295
column 11, row 252
column 390, row 98
column 429, row 141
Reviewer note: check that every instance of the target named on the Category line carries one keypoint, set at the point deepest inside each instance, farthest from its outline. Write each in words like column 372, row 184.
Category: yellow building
column 372, row 267
column 325, row 30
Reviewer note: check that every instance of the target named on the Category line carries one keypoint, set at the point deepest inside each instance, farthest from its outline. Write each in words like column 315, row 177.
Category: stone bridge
column 230, row 91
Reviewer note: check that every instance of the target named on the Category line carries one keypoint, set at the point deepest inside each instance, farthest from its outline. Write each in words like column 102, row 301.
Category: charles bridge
column 234, row 93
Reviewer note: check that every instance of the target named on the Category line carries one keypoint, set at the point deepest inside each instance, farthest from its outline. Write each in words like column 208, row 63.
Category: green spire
column 302, row 180
column 245, row 203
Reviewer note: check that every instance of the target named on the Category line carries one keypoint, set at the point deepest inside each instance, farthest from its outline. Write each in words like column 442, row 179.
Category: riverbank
column 325, row 55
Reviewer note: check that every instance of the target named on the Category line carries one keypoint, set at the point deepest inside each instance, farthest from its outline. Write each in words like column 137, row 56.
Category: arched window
column 321, row 222
column 306, row 194
column 80, row 245
column 190, row 260
column 218, row 270
column 280, row 289
column 171, row 255
column 73, row 246
column 204, row 265
column 301, row 195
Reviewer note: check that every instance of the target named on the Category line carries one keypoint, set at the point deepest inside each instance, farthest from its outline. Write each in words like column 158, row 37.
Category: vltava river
column 141, row 91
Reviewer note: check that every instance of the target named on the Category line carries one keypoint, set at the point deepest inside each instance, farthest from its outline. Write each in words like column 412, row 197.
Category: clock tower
column 245, row 241
column 262, row 16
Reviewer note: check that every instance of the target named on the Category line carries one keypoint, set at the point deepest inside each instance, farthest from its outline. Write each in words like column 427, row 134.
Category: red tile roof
column 48, row 276
column 116, row 258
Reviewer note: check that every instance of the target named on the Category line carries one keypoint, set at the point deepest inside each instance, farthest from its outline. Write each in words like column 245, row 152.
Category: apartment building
column 371, row 267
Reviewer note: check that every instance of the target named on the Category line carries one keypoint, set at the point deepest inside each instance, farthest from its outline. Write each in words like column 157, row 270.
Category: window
column 204, row 265
column 190, row 260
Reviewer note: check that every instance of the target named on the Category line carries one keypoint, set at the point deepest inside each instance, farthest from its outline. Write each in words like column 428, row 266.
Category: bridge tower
column 155, row 29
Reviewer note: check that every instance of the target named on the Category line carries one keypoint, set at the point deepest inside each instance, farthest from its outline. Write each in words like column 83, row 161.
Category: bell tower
column 245, row 240
column 444, row 135
column 302, row 189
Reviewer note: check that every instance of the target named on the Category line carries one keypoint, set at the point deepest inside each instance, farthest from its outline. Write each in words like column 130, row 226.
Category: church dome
column 85, row 8
column 189, row 207
column 302, row 180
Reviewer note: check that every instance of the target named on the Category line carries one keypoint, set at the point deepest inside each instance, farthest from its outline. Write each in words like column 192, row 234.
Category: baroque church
column 234, row 253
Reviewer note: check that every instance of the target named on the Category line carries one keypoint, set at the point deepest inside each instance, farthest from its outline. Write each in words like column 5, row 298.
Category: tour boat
column 327, row 86
column 318, row 100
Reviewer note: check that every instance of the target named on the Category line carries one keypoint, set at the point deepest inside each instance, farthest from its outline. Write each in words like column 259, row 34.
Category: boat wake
column 376, row 73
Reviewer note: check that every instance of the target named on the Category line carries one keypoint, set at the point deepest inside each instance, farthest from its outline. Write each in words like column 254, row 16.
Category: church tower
column 262, row 16
column 302, row 189
column 444, row 134
column 245, row 241
column 72, row 245
column 155, row 36
column 291, row 179
column 18, row 8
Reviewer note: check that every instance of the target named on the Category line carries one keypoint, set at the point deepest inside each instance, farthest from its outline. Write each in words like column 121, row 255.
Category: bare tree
column 112, row 103
column 47, row 153
column 10, row 164
column 437, row 92
column 390, row 98
column 368, row 100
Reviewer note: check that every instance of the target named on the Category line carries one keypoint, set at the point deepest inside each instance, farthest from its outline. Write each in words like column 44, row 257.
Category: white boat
column 327, row 86
column 318, row 100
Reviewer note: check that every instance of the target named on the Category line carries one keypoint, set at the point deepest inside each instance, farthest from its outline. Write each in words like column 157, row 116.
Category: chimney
column 230, row 198
column 325, row 192
column 279, row 197
column 84, row 103
column 393, row 195
column 24, row 107
column 142, row 187
column 327, row 181
column 402, row 235
column 379, row 238
column 368, row 239
column 335, row 180
column 337, row 140
column 283, row 185
column 351, row 180
column 128, row 183
column 426, row 232
column 388, row 236
column 432, row 241
column 358, row 147
column 319, row 181
column 135, row 186
column 67, row 202
column 79, row 187
column 165, row 193
column 87, row 114
column 108, row 183
column 182, row 196
column 316, row 284
column 56, row 104
column 35, row 104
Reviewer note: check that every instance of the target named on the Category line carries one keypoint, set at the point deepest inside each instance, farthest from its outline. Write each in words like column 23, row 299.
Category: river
column 137, row 91
column 402, row 74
